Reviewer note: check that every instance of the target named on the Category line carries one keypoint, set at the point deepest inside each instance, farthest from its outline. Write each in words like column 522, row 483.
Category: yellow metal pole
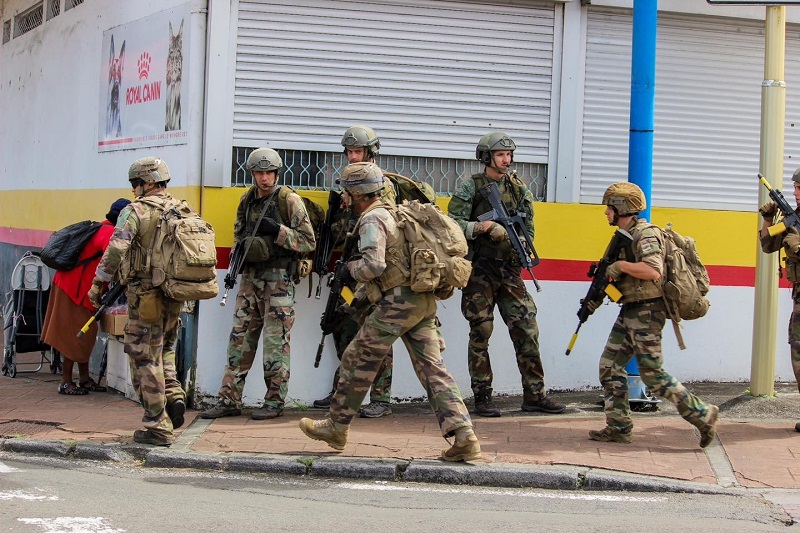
column 773, row 114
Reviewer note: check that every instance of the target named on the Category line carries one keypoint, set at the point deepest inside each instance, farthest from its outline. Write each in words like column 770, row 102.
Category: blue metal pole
column 640, row 146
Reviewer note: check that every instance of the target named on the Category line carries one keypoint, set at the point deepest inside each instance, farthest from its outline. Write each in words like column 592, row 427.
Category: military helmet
column 264, row 159
column 627, row 198
column 362, row 178
column 796, row 175
column 362, row 136
column 149, row 170
column 496, row 140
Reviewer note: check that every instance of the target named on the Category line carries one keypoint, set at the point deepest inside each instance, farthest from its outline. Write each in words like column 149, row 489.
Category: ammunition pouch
column 150, row 305
column 258, row 249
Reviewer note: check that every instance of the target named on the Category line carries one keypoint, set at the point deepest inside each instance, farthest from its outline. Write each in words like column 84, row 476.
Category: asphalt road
column 54, row 496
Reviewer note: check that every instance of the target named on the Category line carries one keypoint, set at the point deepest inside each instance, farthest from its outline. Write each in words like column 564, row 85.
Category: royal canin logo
column 143, row 64
column 145, row 92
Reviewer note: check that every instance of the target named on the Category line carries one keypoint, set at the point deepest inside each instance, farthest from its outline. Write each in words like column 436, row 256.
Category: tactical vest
column 511, row 190
column 279, row 257
column 634, row 289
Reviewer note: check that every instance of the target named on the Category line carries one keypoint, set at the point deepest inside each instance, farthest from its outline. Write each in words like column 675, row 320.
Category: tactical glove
column 768, row 211
column 592, row 305
column 345, row 275
column 614, row 270
column 95, row 293
column 792, row 240
column 498, row 232
column 268, row 226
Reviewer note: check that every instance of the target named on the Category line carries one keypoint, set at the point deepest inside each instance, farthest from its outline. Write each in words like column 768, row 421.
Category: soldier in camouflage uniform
column 790, row 242
column 382, row 272
column 638, row 328
column 273, row 226
column 153, row 318
column 361, row 145
column 496, row 279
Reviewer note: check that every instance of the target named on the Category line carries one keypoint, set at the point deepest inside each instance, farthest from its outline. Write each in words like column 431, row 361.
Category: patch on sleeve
column 649, row 243
column 368, row 236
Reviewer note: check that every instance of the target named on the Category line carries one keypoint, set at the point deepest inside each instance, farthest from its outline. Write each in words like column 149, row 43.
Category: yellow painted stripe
column 563, row 231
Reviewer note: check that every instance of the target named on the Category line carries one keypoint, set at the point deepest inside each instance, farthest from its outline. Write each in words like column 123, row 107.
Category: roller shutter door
column 430, row 76
column 707, row 108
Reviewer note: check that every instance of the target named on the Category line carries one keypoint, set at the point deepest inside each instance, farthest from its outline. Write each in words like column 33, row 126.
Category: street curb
column 359, row 468
column 271, row 464
column 554, row 477
column 600, row 480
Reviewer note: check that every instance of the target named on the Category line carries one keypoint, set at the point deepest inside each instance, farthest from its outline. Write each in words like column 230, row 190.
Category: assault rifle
column 326, row 241
column 114, row 291
column 601, row 286
column 790, row 218
column 332, row 316
column 234, row 268
column 514, row 226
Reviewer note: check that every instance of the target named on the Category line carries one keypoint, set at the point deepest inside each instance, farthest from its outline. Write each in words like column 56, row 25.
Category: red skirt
column 62, row 322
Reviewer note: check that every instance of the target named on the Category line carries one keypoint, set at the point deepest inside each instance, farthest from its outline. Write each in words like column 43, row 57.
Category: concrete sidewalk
column 519, row 449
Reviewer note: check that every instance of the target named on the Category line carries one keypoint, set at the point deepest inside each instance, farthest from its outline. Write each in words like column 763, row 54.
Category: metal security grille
column 53, row 8
column 305, row 169
column 6, row 31
column 69, row 4
column 28, row 20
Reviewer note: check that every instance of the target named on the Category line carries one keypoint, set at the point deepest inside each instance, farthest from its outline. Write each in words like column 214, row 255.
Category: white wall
column 718, row 345
column 48, row 131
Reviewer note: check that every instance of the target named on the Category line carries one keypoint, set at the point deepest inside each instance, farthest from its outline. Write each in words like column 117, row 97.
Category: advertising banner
column 143, row 65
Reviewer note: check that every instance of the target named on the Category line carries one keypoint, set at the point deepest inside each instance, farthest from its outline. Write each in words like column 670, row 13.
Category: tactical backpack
column 407, row 189
column 62, row 251
column 183, row 257
column 686, row 282
column 316, row 216
column 436, row 246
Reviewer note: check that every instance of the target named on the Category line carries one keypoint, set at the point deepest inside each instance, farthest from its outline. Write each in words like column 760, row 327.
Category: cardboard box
column 114, row 324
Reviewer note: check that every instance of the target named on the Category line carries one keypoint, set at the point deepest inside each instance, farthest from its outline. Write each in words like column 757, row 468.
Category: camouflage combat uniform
column 637, row 332
column 773, row 244
column 497, row 280
column 397, row 312
column 381, row 390
column 266, row 297
column 149, row 343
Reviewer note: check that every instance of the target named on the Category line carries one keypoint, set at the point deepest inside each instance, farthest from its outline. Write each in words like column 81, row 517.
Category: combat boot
column 609, row 434
column 175, row 412
column 709, row 429
column 266, row 413
column 222, row 408
column 325, row 402
column 332, row 433
column 145, row 436
column 543, row 404
column 375, row 410
column 465, row 447
column 484, row 405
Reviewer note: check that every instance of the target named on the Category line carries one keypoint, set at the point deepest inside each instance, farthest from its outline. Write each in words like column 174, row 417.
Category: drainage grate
column 24, row 428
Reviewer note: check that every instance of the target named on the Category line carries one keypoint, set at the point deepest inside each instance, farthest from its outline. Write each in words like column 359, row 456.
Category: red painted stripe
column 571, row 270
column 24, row 237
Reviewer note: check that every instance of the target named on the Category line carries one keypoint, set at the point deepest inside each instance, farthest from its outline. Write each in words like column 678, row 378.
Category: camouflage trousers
column 500, row 283
column 265, row 301
column 150, row 345
column 402, row 313
column 637, row 332
column 381, row 390
column 794, row 335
